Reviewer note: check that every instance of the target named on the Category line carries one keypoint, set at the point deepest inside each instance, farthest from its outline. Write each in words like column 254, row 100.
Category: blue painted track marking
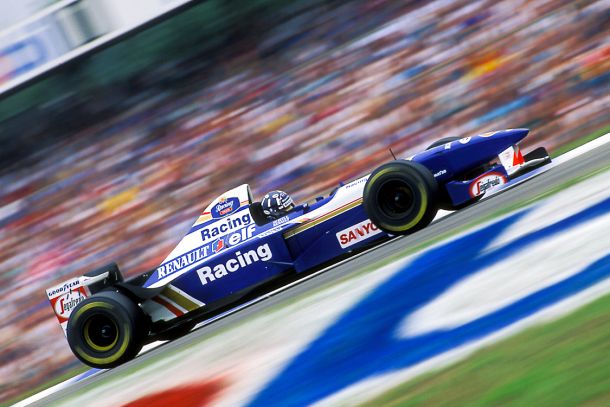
column 363, row 342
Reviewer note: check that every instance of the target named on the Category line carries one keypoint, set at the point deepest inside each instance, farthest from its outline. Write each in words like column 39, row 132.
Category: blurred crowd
column 314, row 102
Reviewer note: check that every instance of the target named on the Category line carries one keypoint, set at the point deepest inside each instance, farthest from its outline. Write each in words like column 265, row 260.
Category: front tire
column 400, row 197
column 106, row 330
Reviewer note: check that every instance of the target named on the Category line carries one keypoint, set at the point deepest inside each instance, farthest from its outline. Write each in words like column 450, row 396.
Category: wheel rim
column 101, row 333
column 395, row 198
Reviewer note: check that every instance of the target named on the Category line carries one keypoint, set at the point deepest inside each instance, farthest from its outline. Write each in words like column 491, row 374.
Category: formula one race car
column 238, row 246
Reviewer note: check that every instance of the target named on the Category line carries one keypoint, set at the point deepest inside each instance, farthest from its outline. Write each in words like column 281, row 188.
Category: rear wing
column 65, row 296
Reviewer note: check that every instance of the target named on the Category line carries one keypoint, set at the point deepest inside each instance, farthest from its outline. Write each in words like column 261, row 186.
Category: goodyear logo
column 66, row 287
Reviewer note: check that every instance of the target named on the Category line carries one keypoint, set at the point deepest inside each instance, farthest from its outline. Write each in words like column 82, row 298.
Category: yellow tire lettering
column 423, row 207
column 85, row 354
column 379, row 174
column 92, row 304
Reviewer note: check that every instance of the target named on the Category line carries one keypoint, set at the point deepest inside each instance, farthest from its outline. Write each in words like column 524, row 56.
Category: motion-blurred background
column 119, row 121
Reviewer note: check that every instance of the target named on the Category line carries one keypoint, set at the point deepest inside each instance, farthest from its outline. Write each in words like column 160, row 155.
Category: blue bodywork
column 246, row 255
column 460, row 156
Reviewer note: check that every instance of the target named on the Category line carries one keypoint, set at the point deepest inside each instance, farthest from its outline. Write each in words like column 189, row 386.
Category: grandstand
column 110, row 156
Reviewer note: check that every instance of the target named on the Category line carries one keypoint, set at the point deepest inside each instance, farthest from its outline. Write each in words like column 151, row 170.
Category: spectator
column 318, row 103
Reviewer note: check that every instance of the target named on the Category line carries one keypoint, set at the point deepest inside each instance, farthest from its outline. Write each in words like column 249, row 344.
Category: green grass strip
column 580, row 141
column 55, row 380
column 563, row 363
column 501, row 211
column 411, row 250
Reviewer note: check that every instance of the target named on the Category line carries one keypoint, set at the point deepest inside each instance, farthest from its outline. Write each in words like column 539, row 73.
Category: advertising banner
column 29, row 47
column 67, row 29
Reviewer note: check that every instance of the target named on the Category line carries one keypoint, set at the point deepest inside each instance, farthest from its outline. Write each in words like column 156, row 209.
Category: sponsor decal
column 64, row 288
column 485, row 182
column 512, row 157
column 184, row 261
column 441, row 172
column 240, row 236
column 281, row 220
column 221, row 228
column 240, row 260
column 357, row 233
column 465, row 140
column 269, row 232
column 357, row 182
column 219, row 244
column 194, row 256
column 518, row 157
column 506, row 156
column 64, row 304
column 224, row 207
column 488, row 134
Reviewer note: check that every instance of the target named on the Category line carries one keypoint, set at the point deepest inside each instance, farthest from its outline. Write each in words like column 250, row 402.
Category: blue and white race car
column 238, row 247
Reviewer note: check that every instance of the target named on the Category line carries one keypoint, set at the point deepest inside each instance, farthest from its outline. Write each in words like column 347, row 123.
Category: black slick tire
column 106, row 330
column 400, row 197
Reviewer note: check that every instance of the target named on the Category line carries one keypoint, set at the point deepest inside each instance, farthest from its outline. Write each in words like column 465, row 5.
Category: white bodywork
column 66, row 296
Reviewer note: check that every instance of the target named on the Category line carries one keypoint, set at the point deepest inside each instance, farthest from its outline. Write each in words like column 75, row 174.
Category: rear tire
column 400, row 197
column 106, row 330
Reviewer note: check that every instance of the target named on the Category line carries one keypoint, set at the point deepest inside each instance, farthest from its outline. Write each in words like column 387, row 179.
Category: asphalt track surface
column 588, row 162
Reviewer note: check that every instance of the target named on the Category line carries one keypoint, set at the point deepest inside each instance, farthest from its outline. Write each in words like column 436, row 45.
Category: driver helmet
column 275, row 204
